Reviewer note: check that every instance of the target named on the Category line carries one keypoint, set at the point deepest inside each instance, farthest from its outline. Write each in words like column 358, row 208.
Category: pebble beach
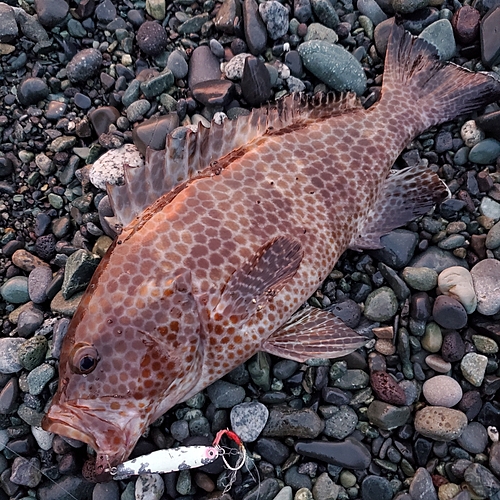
column 87, row 86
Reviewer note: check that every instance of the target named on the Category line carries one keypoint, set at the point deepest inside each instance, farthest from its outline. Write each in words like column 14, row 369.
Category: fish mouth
column 113, row 441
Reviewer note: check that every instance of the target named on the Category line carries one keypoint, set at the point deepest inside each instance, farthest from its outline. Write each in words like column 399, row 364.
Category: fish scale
column 243, row 223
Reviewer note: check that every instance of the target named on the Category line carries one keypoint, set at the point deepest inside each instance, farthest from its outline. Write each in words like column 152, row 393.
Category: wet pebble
column 453, row 348
column 485, row 152
column 31, row 353
column 9, row 361
column 482, row 481
column 84, row 65
column 420, row 278
column 421, row 487
column 341, row 423
column 437, row 363
column 248, row 420
column 284, row 421
column 177, row 64
column 376, row 487
column 254, row 27
column 38, row 282
column 152, row 38
column 442, row 390
column 473, row 367
column 79, row 269
column 440, row 423
column 349, row 453
column 275, row 17
column 32, row 90
column 490, row 45
column 440, row 34
column 485, row 277
column 39, row 377
column 381, row 305
column 387, row 416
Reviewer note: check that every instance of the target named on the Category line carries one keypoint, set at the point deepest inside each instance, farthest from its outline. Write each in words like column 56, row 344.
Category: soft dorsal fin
column 189, row 153
column 260, row 278
column 313, row 333
column 406, row 195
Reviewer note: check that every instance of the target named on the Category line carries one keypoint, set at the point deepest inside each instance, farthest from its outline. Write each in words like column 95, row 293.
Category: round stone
column 152, row 38
column 376, row 487
column 440, row 34
column 433, row 338
column 381, row 305
column 177, row 64
column 84, row 65
column 474, row 438
column 32, row 352
column 32, row 90
column 342, row 423
column 15, row 290
column 440, row 423
column 442, row 390
column 224, row 394
column 248, row 420
column 449, row 313
column 420, row 278
column 453, row 348
column 51, row 13
column 485, row 152
column 485, row 277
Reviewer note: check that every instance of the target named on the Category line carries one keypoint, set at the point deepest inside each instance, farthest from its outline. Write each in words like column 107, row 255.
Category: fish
column 227, row 232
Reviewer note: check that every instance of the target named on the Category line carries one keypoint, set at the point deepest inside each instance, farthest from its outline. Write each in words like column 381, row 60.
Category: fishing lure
column 180, row 458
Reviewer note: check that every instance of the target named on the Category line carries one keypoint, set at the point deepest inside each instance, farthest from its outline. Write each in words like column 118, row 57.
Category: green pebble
column 55, row 200
column 433, row 338
column 15, row 290
column 347, row 479
column 485, row 345
column 32, row 352
column 381, row 305
column 39, row 377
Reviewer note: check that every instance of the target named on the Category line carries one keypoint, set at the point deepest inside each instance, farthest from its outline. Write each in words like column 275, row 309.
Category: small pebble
column 440, row 423
column 442, row 390
column 473, row 367
column 456, row 282
column 449, row 313
column 248, row 420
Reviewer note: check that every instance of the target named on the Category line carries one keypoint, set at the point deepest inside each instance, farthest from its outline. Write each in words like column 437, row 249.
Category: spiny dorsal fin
column 189, row 153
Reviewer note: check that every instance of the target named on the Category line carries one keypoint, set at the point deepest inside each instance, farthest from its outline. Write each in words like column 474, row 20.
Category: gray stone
column 387, row 416
column 248, row 420
column 177, row 64
column 149, row 487
column 408, row 6
column 15, row 290
column 39, row 377
column 440, row 34
column 225, row 395
column 490, row 208
column 84, row 65
column 342, row 423
column 437, row 259
column 31, row 353
column 481, row 480
column 333, row 65
column 421, row 487
column 493, row 237
column 275, row 16
column 398, row 248
column 137, row 110
column 193, row 24
column 376, row 487
column 324, row 488
column 38, row 282
column 473, row 367
column 32, row 90
column 485, row 277
column 485, row 152
column 8, row 25
column 9, row 361
column 316, row 31
column 26, row 472
column 420, row 278
column 79, row 269
column 285, row 421
column 474, row 438
column 381, row 305
column 372, row 10
column 325, row 11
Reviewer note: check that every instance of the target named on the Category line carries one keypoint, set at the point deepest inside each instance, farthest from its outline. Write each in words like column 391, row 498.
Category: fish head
column 121, row 368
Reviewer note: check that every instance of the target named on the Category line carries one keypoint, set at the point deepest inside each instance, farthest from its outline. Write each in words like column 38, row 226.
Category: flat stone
column 214, row 92
column 150, row 133
column 177, row 64
column 485, row 152
column 490, row 43
column 421, row 487
column 284, row 421
column 474, row 438
column 376, row 487
column 482, row 481
column 485, row 277
column 15, row 290
column 254, row 27
column 386, row 416
column 440, row 34
column 333, row 65
column 440, row 423
column 420, row 278
column 381, row 305
column 490, row 208
column 224, row 394
column 255, row 81
column 349, row 453
column 79, row 269
column 342, row 423
column 437, row 259
column 442, row 390
column 84, row 65
column 203, row 66
column 437, row 363
column 317, row 31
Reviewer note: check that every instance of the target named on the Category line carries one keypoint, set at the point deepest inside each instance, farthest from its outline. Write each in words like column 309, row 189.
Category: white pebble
column 471, row 134
column 149, row 487
column 43, row 438
column 108, row 169
column 456, row 282
column 234, row 67
column 442, row 390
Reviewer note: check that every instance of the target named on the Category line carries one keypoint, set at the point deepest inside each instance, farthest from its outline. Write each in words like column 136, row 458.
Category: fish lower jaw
column 69, row 432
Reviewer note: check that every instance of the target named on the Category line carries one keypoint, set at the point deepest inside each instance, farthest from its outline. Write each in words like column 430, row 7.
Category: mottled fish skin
column 207, row 277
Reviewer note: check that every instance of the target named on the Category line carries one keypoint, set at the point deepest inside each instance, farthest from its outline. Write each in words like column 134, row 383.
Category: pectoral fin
column 260, row 278
column 313, row 333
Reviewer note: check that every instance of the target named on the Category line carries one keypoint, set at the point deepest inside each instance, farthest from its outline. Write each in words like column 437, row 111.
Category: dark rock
column 84, row 9
column 102, row 117
column 152, row 38
column 465, row 24
column 387, row 389
column 45, row 246
column 453, row 347
column 421, row 487
column 66, row 488
column 8, row 396
column 272, row 450
column 482, row 481
column 386, row 416
column 255, row 29
column 105, row 11
column 420, row 308
column 152, row 133
column 285, row 421
column 376, row 487
column 50, row 12
column 422, row 450
column 471, row 404
column 398, row 248
column 255, row 82
column 82, row 101
column 8, row 25
column 203, row 66
column 224, row 394
column 297, row 480
column 228, row 16
column 490, row 41
column 490, row 124
column 449, row 313
column 266, row 490
column 474, row 438
column 84, row 65
column 32, row 90
column 348, row 311
column 349, row 453
column 214, row 92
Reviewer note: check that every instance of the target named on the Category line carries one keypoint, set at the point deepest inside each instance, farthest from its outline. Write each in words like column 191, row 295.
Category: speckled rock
column 453, row 348
column 152, row 38
column 420, row 278
column 421, row 487
column 38, row 282
column 248, row 420
column 386, row 388
column 32, row 352
column 9, row 361
column 473, row 367
column 286, row 421
column 485, row 277
column 482, row 481
column 456, row 282
column 275, row 16
column 449, row 313
column 333, row 65
column 84, row 65
column 442, row 390
column 149, row 487
column 387, row 416
column 381, row 304
column 79, row 269
column 471, row 133
column 440, row 423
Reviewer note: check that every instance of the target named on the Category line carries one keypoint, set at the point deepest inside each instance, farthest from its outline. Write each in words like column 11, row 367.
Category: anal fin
column 260, row 278
column 313, row 333
column 407, row 194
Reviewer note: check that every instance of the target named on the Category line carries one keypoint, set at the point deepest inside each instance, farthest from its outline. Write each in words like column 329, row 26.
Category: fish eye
column 84, row 359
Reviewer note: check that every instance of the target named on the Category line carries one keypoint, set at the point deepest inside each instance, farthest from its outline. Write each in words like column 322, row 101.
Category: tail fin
column 440, row 91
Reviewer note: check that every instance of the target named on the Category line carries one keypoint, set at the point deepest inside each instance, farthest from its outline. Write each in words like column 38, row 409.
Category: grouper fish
column 226, row 233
